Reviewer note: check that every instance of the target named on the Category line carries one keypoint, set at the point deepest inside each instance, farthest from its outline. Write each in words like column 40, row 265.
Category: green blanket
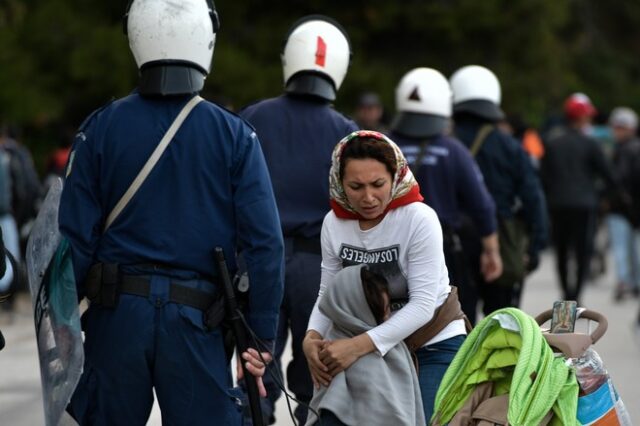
column 508, row 348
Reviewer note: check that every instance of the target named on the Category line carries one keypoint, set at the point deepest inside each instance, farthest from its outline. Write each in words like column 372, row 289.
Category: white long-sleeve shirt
column 405, row 247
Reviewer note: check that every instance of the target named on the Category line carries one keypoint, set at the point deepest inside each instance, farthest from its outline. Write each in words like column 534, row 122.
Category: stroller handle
column 603, row 324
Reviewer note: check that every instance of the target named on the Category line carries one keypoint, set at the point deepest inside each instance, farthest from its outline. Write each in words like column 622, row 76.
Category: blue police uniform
column 298, row 134
column 511, row 180
column 210, row 189
column 452, row 185
column 450, row 181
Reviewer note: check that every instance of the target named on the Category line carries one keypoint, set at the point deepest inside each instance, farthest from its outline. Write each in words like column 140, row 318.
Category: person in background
column 624, row 208
column 511, row 181
column 26, row 191
column 569, row 169
column 6, row 278
column 369, row 112
column 10, row 231
column 529, row 137
column 448, row 177
column 58, row 159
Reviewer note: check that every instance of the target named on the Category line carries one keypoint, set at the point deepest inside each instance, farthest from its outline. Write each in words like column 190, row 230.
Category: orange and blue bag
column 598, row 401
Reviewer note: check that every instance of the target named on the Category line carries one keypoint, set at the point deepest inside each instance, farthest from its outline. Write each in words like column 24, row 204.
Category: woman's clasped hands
column 327, row 358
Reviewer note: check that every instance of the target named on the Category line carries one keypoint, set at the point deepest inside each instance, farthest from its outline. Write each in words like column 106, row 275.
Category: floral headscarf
column 404, row 189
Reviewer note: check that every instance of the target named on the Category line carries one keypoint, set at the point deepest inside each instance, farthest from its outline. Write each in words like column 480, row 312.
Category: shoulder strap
column 480, row 138
column 151, row 162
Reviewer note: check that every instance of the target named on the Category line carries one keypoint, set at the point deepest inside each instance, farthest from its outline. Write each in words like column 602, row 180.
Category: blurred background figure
column 569, row 169
column 624, row 213
column 56, row 161
column 511, row 180
column 19, row 194
column 369, row 112
column 6, row 277
column 527, row 135
column 25, row 191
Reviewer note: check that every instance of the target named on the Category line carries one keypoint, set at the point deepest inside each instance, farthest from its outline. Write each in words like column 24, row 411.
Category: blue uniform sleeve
column 80, row 216
column 259, row 235
column 473, row 194
column 530, row 192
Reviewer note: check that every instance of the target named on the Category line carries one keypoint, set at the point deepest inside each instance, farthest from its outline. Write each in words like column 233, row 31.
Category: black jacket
column 626, row 170
column 570, row 168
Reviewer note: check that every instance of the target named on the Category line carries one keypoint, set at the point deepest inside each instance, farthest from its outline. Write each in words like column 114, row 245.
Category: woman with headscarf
column 378, row 219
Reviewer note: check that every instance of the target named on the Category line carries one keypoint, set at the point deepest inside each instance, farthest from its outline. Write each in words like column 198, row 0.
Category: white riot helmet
column 315, row 57
column 476, row 90
column 172, row 43
column 423, row 104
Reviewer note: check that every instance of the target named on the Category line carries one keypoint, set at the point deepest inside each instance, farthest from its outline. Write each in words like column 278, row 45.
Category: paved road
column 21, row 403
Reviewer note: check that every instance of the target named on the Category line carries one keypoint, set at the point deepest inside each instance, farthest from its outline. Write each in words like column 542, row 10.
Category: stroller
column 598, row 402
column 507, row 373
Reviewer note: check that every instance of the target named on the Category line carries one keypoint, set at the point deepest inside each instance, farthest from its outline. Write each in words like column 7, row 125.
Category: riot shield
column 55, row 308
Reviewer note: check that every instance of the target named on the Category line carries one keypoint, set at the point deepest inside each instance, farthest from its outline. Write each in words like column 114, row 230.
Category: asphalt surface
column 20, row 392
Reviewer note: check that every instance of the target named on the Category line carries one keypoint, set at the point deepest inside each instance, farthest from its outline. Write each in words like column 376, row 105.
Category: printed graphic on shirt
column 384, row 261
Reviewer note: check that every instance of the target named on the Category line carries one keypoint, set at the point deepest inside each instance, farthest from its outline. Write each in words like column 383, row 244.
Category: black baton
column 240, row 334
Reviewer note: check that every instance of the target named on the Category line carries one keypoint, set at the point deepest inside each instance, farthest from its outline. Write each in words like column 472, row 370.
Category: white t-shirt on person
column 405, row 247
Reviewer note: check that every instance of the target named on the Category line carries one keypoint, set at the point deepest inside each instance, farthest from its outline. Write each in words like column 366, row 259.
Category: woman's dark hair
column 374, row 286
column 362, row 148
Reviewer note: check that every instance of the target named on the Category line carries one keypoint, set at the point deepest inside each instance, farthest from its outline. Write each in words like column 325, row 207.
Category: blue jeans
column 433, row 361
column 624, row 244
column 11, row 238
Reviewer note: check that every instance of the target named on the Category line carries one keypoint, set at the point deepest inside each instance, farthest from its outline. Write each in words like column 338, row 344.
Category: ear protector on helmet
column 213, row 13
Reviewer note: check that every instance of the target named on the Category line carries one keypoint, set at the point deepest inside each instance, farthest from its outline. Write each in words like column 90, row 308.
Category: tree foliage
column 60, row 59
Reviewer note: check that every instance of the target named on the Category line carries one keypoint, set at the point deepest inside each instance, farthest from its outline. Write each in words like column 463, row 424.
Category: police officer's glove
column 533, row 261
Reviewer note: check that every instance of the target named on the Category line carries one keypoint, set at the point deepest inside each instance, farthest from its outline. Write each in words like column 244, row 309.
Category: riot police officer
column 298, row 132
column 150, row 271
column 510, row 179
column 448, row 176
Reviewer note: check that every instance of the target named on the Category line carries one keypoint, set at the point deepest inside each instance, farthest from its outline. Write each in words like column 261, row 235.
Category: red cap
column 579, row 105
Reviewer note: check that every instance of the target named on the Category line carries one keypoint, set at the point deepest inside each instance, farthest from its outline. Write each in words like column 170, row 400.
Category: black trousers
column 460, row 272
column 573, row 231
column 493, row 296
column 302, row 282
